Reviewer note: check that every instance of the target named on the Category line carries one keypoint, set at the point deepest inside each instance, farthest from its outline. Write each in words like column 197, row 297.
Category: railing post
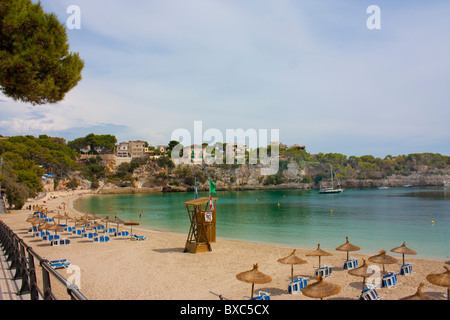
column 34, row 293
column 46, row 282
column 25, row 288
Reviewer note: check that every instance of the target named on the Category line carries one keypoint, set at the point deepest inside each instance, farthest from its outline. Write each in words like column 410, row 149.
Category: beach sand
column 158, row 269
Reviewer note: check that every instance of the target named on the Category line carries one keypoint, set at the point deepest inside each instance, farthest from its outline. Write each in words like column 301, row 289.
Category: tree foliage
column 26, row 158
column 94, row 144
column 35, row 63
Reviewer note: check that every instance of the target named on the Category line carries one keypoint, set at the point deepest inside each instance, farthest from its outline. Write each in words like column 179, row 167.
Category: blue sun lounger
column 389, row 280
column 57, row 264
column 325, row 271
column 262, row 296
column 136, row 237
column 296, row 286
column 369, row 294
column 406, row 269
column 350, row 264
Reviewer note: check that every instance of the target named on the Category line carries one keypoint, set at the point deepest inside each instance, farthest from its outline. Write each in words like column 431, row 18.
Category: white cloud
column 311, row 69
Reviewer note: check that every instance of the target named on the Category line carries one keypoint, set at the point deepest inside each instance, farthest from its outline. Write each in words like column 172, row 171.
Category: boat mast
column 332, row 185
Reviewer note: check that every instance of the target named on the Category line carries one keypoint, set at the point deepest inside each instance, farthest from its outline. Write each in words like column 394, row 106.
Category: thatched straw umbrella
column 347, row 246
column 319, row 253
column 45, row 225
column 419, row 295
column 107, row 220
column 82, row 222
column 292, row 259
column 58, row 216
column 403, row 250
column 253, row 276
column 55, row 228
column 35, row 220
column 441, row 279
column 131, row 223
column 118, row 221
column 321, row 289
column 363, row 271
column 383, row 258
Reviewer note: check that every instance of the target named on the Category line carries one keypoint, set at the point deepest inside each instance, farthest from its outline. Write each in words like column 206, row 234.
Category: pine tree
column 35, row 63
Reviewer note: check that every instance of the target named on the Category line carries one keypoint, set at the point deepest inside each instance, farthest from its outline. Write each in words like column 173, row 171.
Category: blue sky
column 311, row 69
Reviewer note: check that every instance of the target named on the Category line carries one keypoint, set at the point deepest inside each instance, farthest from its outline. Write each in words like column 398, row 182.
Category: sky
column 312, row 70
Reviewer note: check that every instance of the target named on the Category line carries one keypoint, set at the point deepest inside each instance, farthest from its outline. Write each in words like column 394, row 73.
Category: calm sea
column 372, row 219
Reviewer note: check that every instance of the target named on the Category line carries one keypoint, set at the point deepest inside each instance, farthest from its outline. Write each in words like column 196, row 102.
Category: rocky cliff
column 154, row 178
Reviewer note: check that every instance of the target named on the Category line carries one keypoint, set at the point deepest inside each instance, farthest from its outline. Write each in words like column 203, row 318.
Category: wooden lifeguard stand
column 203, row 225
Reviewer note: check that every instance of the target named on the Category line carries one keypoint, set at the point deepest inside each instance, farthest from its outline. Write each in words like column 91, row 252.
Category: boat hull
column 325, row 191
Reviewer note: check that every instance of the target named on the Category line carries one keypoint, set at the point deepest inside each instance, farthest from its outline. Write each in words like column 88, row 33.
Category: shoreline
column 420, row 254
column 158, row 269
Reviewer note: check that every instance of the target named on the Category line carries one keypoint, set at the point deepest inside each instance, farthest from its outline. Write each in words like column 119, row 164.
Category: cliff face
column 153, row 178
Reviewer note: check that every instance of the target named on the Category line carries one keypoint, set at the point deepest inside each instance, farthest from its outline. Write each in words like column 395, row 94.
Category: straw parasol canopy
column 82, row 222
column 441, row 279
column 118, row 221
column 419, row 295
column 58, row 216
column 292, row 259
column 55, row 228
column 254, row 276
column 382, row 258
column 95, row 225
column 45, row 226
column 107, row 220
column 321, row 289
column 131, row 223
column 403, row 250
column 363, row 271
column 319, row 253
column 35, row 220
column 347, row 246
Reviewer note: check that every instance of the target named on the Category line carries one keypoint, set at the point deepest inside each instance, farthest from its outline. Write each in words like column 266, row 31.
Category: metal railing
column 22, row 258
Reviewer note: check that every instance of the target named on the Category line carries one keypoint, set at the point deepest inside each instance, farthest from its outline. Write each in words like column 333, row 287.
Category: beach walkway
column 8, row 286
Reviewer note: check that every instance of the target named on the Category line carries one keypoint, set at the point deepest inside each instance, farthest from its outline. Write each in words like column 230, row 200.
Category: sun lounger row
column 101, row 239
column 90, row 235
column 60, row 242
column 122, row 234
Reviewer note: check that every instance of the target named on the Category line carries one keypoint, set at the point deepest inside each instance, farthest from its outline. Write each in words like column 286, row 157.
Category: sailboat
column 332, row 189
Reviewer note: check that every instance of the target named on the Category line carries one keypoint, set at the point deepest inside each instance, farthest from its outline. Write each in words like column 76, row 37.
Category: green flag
column 212, row 187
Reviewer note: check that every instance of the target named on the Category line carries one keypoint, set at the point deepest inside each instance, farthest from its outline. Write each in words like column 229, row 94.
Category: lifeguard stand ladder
column 203, row 225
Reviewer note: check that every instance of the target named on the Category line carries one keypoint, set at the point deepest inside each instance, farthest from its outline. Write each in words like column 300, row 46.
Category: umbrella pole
column 292, row 272
column 319, row 262
column 347, row 256
column 253, row 286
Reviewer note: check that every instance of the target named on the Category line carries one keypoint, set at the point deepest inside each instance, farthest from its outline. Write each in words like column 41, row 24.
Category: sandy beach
column 158, row 269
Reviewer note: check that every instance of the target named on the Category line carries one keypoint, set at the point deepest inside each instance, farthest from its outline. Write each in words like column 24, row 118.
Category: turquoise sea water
column 372, row 219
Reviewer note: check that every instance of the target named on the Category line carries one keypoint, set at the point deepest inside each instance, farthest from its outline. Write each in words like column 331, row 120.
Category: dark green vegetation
column 26, row 158
column 35, row 63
